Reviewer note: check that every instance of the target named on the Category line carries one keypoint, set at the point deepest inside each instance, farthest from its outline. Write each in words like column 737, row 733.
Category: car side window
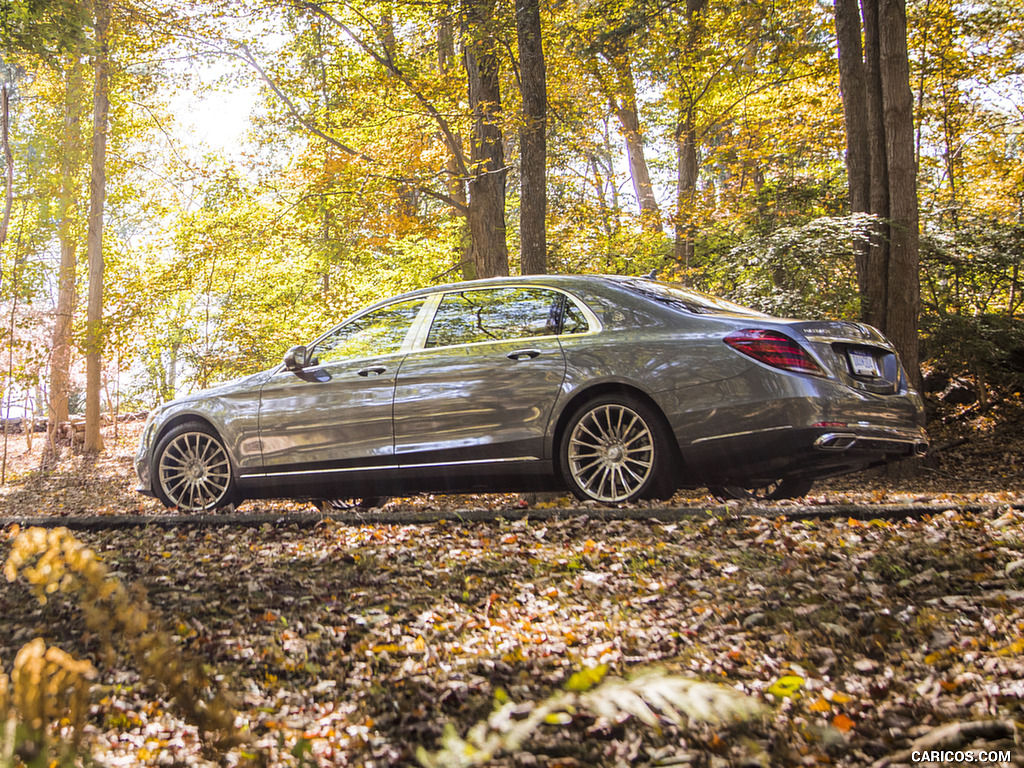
column 380, row 332
column 492, row 314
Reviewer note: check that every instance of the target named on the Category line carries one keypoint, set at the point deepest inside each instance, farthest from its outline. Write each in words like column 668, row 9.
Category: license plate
column 862, row 363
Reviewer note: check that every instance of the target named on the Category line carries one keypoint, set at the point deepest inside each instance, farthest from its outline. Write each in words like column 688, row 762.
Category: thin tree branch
column 385, row 60
column 247, row 56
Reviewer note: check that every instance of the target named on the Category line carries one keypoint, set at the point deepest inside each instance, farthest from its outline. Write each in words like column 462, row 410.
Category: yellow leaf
column 1013, row 649
column 558, row 718
column 788, row 685
column 586, row 679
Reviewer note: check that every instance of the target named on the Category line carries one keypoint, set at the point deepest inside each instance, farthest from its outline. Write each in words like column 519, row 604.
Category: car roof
column 562, row 281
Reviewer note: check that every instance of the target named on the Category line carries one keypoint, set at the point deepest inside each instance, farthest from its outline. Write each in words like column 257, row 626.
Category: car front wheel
column 617, row 449
column 192, row 471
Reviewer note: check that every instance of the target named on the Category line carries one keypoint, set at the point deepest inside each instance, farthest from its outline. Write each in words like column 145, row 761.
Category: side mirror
column 295, row 358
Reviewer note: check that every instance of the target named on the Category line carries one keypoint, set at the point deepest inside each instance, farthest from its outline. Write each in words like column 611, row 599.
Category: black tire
column 192, row 471
column 367, row 502
column 784, row 488
column 617, row 449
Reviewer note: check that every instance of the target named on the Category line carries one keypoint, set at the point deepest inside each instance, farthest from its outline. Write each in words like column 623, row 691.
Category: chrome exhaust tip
column 835, row 442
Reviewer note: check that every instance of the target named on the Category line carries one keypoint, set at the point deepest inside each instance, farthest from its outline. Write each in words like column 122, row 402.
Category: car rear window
column 688, row 300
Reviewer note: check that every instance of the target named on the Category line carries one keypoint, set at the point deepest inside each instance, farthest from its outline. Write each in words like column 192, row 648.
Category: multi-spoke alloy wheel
column 613, row 451
column 193, row 472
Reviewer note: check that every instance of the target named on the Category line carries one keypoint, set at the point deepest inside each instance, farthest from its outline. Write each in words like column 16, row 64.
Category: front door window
column 381, row 332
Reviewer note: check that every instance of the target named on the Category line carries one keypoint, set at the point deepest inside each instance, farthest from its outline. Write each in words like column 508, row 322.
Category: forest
column 385, row 146
column 191, row 188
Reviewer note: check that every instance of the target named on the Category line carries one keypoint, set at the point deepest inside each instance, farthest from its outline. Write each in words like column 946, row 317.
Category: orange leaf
column 821, row 706
column 842, row 722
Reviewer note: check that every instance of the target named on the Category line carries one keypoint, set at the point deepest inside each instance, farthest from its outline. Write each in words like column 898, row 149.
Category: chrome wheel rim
column 195, row 473
column 611, row 453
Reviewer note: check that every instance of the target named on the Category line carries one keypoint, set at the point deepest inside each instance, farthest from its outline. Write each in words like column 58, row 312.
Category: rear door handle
column 523, row 354
column 376, row 370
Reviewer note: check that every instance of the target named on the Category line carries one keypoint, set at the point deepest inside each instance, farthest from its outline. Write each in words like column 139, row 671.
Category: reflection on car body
column 617, row 388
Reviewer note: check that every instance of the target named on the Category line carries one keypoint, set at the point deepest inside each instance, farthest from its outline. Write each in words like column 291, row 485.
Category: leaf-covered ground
column 353, row 644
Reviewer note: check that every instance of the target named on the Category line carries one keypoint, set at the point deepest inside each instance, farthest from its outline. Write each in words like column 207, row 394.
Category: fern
column 55, row 562
column 651, row 697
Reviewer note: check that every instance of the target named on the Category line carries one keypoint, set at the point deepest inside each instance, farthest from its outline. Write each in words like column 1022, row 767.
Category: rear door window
column 494, row 314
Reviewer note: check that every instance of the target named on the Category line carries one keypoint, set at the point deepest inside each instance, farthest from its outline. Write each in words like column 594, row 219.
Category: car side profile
column 616, row 388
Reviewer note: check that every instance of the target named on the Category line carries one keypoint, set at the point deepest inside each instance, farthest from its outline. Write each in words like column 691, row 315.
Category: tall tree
column 853, row 86
column 888, row 273
column 67, row 234
column 484, row 170
column 532, row 139
column 487, row 152
column 620, row 88
column 5, row 144
column 41, row 30
column 685, row 136
column 904, row 282
column 94, row 242
column 605, row 35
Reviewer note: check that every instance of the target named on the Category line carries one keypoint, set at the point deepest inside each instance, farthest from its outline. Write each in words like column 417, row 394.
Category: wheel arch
column 611, row 388
column 184, row 418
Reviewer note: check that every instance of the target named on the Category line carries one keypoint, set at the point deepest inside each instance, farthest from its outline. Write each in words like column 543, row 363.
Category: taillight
column 774, row 349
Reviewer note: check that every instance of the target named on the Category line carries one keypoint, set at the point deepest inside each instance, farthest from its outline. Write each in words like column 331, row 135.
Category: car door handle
column 376, row 370
column 523, row 354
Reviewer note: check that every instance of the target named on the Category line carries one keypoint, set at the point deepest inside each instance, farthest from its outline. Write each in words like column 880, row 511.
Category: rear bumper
column 764, row 456
column 889, row 442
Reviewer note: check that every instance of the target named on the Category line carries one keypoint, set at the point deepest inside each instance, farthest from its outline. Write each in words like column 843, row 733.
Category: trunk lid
column 855, row 353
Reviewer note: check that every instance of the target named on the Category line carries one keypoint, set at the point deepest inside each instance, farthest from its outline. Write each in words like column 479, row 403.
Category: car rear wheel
column 192, row 471
column 327, row 506
column 617, row 449
column 783, row 488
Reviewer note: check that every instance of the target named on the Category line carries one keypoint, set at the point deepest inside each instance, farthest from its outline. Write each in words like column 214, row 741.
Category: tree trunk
column 904, row 235
column 876, row 297
column 853, row 86
column 532, row 140
column 686, row 187
column 60, row 348
column 5, row 141
column 623, row 103
column 890, row 276
column 94, row 243
column 455, row 181
column 487, row 183
column 687, row 167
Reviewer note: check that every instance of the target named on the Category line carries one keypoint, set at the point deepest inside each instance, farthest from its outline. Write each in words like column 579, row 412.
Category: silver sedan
column 617, row 388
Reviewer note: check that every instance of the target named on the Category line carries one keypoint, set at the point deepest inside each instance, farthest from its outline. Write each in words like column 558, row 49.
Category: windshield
column 689, row 300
